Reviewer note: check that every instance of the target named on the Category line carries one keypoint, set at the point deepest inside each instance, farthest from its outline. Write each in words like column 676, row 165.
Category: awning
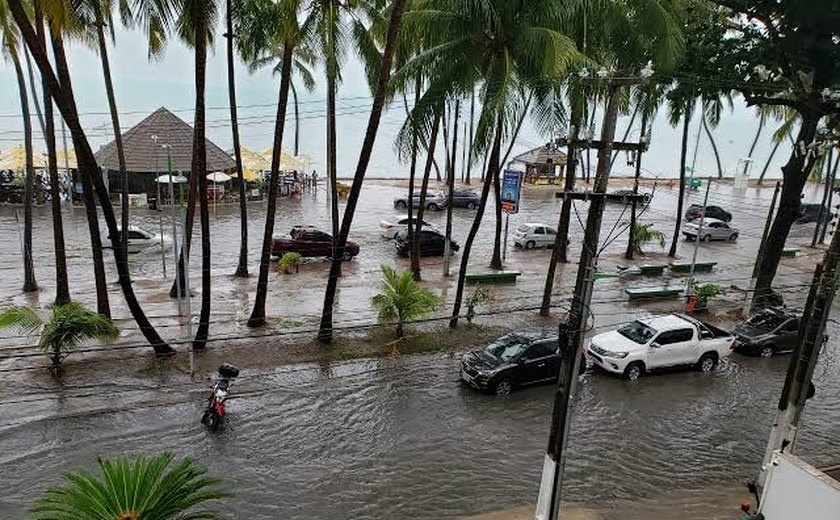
column 176, row 179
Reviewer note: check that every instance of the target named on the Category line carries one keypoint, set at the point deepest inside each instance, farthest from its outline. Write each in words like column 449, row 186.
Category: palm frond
column 23, row 319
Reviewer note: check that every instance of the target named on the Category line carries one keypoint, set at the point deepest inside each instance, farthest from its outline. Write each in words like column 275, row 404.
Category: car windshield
column 766, row 321
column 637, row 332
column 523, row 229
column 507, row 348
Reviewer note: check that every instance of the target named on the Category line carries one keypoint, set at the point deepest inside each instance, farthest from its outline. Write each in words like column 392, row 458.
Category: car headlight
column 614, row 355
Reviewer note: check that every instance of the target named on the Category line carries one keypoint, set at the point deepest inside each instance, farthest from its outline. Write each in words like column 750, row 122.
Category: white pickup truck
column 659, row 342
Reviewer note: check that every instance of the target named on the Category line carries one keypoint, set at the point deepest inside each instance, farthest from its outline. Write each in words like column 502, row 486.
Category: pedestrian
column 314, row 181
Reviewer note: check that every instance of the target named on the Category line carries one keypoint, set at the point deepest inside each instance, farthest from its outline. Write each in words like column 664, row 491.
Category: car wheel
column 434, row 207
column 471, row 205
column 530, row 244
column 347, row 256
column 400, row 204
column 503, row 387
column 733, row 237
column 707, row 362
column 707, row 238
column 766, row 351
column 634, row 371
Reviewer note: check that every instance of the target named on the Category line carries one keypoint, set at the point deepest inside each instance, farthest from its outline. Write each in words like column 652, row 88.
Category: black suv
column 767, row 333
column 514, row 360
column 695, row 211
column 431, row 243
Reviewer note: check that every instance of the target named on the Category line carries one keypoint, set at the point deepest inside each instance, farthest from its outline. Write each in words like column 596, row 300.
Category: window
column 637, row 332
column 675, row 336
column 541, row 350
column 791, row 326
column 714, row 225
column 136, row 235
column 549, row 231
column 539, row 231
column 523, row 229
column 315, row 236
column 402, row 221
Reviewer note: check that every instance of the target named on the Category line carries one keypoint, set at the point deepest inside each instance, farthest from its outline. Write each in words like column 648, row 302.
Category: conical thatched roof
column 170, row 130
column 541, row 155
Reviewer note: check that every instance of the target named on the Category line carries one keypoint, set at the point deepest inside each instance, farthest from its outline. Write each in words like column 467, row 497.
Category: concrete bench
column 652, row 293
column 496, row 277
column 652, row 269
column 699, row 267
column 790, row 252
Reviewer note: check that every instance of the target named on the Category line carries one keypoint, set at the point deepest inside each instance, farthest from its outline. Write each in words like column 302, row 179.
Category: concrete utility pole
column 798, row 386
column 571, row 334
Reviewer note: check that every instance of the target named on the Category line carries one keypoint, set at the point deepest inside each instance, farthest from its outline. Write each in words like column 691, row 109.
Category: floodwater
column 399, row 437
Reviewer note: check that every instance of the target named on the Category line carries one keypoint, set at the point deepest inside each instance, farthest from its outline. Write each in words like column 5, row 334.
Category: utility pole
column 798, row 386
column 689, row 282
column 571, row 334
column 754, row 276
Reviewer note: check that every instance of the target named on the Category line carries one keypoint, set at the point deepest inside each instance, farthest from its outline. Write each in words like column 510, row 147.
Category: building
column 543, row 165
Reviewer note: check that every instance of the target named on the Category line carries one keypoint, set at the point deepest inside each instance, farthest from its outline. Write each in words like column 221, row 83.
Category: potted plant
column 290, row 261
column 703, row 292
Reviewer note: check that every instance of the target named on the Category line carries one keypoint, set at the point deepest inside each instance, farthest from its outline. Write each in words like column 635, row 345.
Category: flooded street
column 400, row 437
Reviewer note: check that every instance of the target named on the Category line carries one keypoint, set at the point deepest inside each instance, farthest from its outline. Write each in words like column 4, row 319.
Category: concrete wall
column 795, row 490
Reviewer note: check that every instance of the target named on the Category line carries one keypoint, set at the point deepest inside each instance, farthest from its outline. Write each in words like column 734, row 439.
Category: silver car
column 531, row 235
column 713, row 229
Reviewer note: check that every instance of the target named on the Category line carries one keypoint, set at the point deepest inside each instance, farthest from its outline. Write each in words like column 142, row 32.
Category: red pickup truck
column 309, row 241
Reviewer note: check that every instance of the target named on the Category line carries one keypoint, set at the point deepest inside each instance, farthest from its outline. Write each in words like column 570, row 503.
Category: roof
column 541, row 155
column 535, row 224
column 668, row 322
column 169, row 129
column 15, row 159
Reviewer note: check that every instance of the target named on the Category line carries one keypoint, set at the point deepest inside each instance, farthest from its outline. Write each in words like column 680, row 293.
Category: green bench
column 650, row 293
column 496, row 277
column 601, row 275
column 790, row 252
column 652, row 269
column 699, row 267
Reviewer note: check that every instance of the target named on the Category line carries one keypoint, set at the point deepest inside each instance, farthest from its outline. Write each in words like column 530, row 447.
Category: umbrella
column 218, row 177
column 253, row 161
column 287, row 161
column 250, row 175
column 67, row 159
column 176, row 179
column 15, row 159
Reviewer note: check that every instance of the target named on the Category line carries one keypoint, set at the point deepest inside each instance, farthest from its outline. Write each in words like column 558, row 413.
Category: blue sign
column 511, row 191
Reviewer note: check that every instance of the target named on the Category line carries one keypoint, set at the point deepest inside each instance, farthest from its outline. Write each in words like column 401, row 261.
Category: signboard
column 511, row 191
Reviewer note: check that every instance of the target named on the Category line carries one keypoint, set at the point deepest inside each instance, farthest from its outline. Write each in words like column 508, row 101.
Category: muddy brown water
column 400, row 438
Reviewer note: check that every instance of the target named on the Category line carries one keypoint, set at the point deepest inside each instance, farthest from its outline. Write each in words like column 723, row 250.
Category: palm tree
column 60, row 87
column 242, row 266
column 677, row 109
column 402, row 299
column 10, row 51
column 132, row 489
column 325, row 332
column 265, row 27
column 68, row 326
column 645, row 234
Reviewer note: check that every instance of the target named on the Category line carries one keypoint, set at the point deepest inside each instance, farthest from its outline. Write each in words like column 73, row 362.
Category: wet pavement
column 399, row 437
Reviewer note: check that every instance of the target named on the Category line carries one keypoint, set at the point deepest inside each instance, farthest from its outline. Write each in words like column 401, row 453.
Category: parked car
column 619, row 196
column 695, row 211
column 658, row 343
column 811, row 213
column 390, row 228
column 431, row 243
column 713, row 229
column 531, row 235
column 767, row 333
column 138, row 238
column 435, row 201
column 465, row 198
column 309, row 241
column 514, row 360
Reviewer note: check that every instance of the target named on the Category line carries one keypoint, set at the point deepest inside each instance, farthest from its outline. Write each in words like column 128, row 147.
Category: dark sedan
column 812, row 213
column 309, row 241
column 515, row 360
column 463, row 198
column 767, row 333
column 695, row 211
column 431, row 243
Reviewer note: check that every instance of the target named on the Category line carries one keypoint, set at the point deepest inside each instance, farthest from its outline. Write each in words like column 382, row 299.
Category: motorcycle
column 215, row 411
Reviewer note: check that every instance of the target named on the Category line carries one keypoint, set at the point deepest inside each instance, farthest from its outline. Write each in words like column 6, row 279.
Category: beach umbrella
column 254, row 161
column 218, row 177
column 287, row 161
column 176, row 179
column 67, row 159
column 250, row 175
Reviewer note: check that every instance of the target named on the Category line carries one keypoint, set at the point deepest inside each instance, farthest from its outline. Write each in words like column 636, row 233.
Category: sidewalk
column 527, row 513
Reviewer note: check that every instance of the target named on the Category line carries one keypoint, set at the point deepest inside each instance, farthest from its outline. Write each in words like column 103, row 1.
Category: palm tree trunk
column 769, row 160
column 297, row 117
column 714, row 145
column 450, row 183
column 257, row 318
column 199, row 170
column 411, row 178
column 470, row 152
column 496, row 260
column 332, row 168
column 242, row 266
column 795, row 175
column 761, row 122
column 325, row 333
column 115, row 122
column 62, row 93
column 631, row 245
column 493, row 164
column 559, row 252
column 683, row 153
column 39, row 196
column 427, row 171
column 29, row 283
